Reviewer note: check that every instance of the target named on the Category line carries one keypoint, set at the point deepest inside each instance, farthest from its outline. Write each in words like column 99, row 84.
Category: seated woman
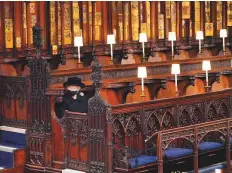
column 73, row 100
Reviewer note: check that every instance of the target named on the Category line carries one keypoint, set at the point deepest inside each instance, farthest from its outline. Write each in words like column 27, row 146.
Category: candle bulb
column 206, row 66
column 111, row 41
column 223, row 35
column 175, row 70
column 78, row 41
column 142, row 73
column 142, row 39
column 172, row 37
column 199, row 36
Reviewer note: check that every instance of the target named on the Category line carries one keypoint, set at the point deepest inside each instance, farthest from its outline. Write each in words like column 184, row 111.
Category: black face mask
column 71, row 93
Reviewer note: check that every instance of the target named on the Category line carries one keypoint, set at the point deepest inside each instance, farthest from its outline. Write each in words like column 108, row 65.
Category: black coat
column 74, row 105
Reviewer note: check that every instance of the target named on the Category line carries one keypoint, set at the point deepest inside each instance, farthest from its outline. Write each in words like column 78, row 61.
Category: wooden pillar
column 154, row 22
column 195, row 154
column 228, row 148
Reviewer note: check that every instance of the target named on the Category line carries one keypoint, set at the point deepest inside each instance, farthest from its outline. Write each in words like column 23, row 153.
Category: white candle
column 176, row 82
column 199, row 46
column 142, row 84
column 111, row 51
column 207, row 79
column 172, row 49
column 143, row 50
column 79, row 54
column 223, row 39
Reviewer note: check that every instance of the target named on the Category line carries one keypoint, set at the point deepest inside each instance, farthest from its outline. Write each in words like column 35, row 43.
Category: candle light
column 199, row 36
column 78, row 41
column 172, row 37
column 206, row 66
column 175, row 70
column 111, row 41
column 218, row 171
column 142, row 39
column 223, row 34
column 142, row 73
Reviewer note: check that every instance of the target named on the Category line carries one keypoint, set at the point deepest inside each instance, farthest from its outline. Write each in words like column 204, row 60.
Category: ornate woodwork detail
column 15, row 88
column 36, row 147
column 167, row 138
column 39, row 75
column 14, row 122
column 77, row 127
column 132, row 72
column 78, row 165
column 216, row 109
column 98, row 113
column 219, row 127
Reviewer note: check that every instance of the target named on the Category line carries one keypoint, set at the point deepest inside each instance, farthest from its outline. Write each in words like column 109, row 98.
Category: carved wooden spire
column 96, row 74
column 37, row 39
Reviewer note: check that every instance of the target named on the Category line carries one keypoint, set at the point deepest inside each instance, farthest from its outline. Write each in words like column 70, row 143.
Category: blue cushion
column 142, row 160
column 206, row 146
column 6, row 159
column 13, row 138
column 172, row 153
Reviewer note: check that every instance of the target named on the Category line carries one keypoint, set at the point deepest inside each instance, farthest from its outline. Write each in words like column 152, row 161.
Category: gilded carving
column 25, row 16
column 76, row 20
column 135, row 20
column 9, row 33
column 148, row 18
column 32, row 7
column 219, row 15
column 207, row 12
column 53, row 23
column 173, row 16
column 161, row 26
column 59, row 25
column 229, row 13
column 208, row 29
column 197, row 16
column 18, row 42
column 67, row 36
column 126, row 20
column 185, row 10
column 168, row 9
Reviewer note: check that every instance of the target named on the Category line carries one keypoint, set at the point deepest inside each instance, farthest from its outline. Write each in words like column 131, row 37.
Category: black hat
column 74, row 81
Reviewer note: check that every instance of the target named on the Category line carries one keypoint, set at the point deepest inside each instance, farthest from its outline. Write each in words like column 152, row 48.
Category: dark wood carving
column 99, row 145
column 39, row 110
column 15, row 88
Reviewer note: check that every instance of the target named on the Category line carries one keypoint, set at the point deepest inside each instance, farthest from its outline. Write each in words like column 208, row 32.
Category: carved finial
column 96, row 73
column 37, row 36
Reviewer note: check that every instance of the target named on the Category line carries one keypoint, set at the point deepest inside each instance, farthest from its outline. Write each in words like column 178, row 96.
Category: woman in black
column 73, row 100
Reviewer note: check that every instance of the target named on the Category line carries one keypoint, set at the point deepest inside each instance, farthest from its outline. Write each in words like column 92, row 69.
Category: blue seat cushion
column 206, row 146
column 142, row 160
column 6, row 159
column 173, row 153
column 13, row 138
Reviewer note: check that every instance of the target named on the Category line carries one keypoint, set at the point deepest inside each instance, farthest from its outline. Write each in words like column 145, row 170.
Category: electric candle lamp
column 206, row 66
column 78, row 42
column 223, row 34
column 199, row 36
column 142, row 73
column 172, row 37
column 175, row 70
column 218, row 171
column 142, row 39
column 111, row 41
